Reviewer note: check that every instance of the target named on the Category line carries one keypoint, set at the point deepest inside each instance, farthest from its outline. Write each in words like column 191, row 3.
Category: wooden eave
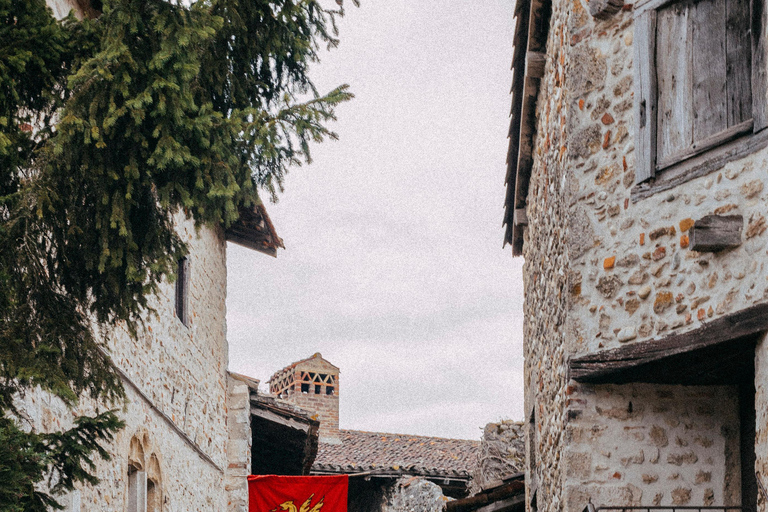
column 531, row 30
column 718, row 352
column 254, row 230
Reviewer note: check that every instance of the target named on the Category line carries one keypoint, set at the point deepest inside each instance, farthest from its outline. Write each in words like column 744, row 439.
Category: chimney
column 313, row 385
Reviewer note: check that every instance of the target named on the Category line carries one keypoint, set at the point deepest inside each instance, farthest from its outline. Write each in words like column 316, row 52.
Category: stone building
column 186, row 443
column 393, row 468
column 187, row 436
column 181, row 448
column 636, row 168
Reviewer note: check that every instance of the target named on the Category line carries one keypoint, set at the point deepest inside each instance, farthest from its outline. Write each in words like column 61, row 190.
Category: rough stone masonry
column 607, row 266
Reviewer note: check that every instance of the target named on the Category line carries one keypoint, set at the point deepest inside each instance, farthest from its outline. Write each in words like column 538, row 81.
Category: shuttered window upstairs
column 700, row 72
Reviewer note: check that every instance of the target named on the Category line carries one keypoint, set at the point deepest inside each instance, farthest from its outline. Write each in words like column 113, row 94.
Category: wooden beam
column 505, row 505
column 512, row 490
column 604, row 9
column 280, row 420
column 610, row 365
column 715, row 233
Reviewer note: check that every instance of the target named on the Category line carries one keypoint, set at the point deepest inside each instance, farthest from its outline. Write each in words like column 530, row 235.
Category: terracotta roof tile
column 372, row 451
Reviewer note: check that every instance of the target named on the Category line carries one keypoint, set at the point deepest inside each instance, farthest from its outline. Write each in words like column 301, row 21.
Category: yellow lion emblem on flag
column 288, row 506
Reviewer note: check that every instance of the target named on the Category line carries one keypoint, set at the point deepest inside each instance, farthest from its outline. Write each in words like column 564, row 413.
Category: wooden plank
column 760, row 64
column 674, row 85
column 645, row 96
column 716, row 232
column 608, row 365
column 709, row 68
column 280, row 420
column 708, row 143
column 505, row 505
column 739, row 62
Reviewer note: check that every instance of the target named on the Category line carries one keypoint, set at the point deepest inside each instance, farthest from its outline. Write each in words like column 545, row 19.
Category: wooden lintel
column 609, row 365
column 505, row 505
column 716, row 232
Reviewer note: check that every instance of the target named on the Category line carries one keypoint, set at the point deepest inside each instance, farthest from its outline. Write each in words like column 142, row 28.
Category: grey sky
column 394, row 269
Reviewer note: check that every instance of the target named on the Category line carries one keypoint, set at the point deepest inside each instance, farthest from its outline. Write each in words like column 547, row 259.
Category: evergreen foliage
column 108, row 126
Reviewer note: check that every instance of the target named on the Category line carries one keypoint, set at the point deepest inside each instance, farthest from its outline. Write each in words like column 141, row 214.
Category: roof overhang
column 284, row 437
column 254, row 230
column 528, row 62
column 719, row 352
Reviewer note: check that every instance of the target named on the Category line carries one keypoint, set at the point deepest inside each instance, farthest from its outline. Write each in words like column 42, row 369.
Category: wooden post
column 714, row 233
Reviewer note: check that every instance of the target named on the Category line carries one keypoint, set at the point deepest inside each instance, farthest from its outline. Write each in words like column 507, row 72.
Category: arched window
column 145, row 491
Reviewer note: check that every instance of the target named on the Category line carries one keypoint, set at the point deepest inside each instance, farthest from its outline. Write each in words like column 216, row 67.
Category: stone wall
column 642, row 444
column 238, row 445
column 633, row 276
column 176, row 383
column 604, row 268
column 502, row 453
column 545, row 275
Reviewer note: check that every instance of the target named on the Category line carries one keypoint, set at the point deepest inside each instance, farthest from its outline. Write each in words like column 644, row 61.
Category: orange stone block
column 701, row 314
column 609, row 262
column 684, row 241
column 642, row 238
column 607, row 139
column 607, row 118
column 686, row 224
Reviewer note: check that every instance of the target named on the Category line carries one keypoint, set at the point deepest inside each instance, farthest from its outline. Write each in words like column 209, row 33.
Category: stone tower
column 313, row 385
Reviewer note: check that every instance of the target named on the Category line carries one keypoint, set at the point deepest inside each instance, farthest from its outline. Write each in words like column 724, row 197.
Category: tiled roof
column 397, row 453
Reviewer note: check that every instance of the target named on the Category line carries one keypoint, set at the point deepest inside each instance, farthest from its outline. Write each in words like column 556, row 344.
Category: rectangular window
column 137, row 491
column 700, row 72
column 182, row 291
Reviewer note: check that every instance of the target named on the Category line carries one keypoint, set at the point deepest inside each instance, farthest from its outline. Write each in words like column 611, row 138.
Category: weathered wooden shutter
column 703, row 59
column 759, row 64
column 694, row 66
column 645, row 95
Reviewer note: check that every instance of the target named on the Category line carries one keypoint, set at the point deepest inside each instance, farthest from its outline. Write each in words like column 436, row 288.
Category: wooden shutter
column 703, row 63
column 645, row 95
column 759, row 64
column 696, row 71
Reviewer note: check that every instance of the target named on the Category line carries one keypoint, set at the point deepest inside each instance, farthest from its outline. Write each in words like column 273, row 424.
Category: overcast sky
column 393, row 267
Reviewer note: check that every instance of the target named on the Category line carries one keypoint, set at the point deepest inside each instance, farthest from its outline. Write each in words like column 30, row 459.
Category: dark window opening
column 328, row 390
column 305, row 388
column 182, row 291
column 153, row 497
column 318, row 389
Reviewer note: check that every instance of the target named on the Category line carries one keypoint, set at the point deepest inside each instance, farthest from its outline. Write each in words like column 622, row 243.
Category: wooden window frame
column 710, row 154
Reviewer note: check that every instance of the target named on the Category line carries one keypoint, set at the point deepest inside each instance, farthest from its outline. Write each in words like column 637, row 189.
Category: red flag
column 297, row 493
